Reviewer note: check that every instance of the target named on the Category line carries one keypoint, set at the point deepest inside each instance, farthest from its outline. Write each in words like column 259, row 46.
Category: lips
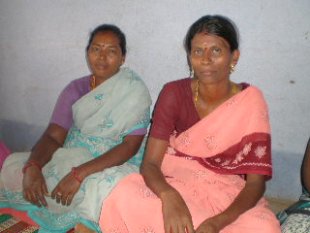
column 207, row 72
column 101, row 66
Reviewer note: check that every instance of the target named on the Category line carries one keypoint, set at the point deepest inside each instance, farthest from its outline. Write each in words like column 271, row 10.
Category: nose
column 207, row 57
column 101, row 54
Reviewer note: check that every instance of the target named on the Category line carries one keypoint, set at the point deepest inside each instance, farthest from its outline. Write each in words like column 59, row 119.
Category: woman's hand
column 34, row 186
column 245, row 200
column 66, row 189
column 210, row 225
column 177, row 218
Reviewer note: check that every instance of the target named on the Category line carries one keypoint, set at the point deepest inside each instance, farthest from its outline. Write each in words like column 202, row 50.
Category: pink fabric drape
column 205, row 164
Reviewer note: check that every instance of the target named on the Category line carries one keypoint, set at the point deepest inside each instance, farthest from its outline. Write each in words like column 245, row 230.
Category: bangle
column 75, row 174
column 31, row 163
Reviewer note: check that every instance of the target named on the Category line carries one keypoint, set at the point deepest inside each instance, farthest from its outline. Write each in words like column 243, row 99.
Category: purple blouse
column 62, row 114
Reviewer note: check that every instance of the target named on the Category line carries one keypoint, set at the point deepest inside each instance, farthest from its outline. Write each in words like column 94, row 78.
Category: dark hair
column 214, row 25
column 109, row 28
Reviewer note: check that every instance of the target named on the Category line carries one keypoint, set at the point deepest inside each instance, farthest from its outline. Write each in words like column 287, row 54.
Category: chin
column 206, row 78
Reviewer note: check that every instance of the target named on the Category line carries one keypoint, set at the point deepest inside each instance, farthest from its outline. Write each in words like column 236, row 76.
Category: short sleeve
column 141, row 131
column 165, row 114
column 62, row 113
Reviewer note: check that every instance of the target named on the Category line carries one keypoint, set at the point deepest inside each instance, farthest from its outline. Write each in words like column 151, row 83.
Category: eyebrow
column 210, row 45
column 109, row 44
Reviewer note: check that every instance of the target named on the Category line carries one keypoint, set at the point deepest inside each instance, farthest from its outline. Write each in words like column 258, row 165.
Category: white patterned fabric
column 102, row 118
column 296, row 223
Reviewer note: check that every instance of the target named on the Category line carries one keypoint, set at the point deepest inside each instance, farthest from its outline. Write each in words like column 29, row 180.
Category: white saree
column 102, row 118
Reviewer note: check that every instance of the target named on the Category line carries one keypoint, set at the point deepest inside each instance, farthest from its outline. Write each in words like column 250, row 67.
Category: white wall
column 42, row 46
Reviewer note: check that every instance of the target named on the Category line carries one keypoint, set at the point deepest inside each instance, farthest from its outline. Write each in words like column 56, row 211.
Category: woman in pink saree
column 208, row 154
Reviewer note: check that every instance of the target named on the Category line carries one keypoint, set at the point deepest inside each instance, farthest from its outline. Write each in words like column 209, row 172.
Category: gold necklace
column 92, row 82
column 196, row 93
column 233, row 89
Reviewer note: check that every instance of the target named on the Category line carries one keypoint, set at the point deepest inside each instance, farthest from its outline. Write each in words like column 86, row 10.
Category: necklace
column 233, row 90
column 92, row 82
column 196, row 93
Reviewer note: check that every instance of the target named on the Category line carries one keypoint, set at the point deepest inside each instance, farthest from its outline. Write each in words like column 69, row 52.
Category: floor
column 277, row 205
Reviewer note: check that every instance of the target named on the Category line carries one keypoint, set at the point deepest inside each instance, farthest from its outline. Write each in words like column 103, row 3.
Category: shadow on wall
column 19, row 136
column 285, row 183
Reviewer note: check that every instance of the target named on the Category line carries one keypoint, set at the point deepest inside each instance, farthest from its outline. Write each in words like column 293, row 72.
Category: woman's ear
column 188, row 61
column 123, row 60
column 235, row 56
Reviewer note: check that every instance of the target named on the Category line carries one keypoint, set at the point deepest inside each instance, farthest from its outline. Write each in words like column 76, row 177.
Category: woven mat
column 10, row 224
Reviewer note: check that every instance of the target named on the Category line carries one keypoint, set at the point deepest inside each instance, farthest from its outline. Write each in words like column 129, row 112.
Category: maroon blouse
column 175, row 109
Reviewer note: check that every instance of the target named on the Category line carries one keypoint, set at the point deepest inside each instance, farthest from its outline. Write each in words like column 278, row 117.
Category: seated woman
column 208, row 154
column 296, row 218
column 97, row 126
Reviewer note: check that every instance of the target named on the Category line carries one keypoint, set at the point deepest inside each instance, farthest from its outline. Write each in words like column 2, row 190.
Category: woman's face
column 211, row 58
column 105, row 55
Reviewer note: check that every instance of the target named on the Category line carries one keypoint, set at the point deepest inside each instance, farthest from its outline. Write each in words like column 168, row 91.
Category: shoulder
column 79, row 85
column 127, row 74
column 131, row 78
column 181, row 83
column 181, row 86
column 254, row 96
column 175, row 91
column 74, row 90
column 254, row 91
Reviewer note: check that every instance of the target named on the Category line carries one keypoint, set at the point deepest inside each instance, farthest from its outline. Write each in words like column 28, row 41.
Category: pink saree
column 206, row 164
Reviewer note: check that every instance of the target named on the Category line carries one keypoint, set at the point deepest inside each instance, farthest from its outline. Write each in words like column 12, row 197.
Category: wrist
column 76, row 175
column 222, row 220
column 31, row 163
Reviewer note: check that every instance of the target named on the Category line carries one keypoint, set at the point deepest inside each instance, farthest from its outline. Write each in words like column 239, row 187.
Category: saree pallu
column 102, row 118
column 206, row 164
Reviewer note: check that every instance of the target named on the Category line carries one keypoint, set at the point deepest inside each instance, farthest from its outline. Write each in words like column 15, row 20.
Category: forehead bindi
column 105, row 39
column 206, row 40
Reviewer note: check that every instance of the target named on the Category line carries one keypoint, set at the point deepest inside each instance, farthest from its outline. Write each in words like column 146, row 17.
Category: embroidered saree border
column 247, row 156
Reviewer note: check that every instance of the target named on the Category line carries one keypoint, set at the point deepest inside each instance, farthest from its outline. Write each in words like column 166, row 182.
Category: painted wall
column 42, row 46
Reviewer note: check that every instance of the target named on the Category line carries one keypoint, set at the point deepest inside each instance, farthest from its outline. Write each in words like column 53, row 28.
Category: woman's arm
column 151, row 166
column 175, row 212
column 70, row 184
column 34, row 186
column 251, row 193
column 53, row 138
column 114, row 157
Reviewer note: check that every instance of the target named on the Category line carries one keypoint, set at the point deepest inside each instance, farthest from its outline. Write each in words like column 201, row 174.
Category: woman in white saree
column 65, row 178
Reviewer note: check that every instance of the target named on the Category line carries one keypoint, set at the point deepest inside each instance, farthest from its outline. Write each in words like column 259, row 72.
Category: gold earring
column 192, row 72
column 232, row 68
